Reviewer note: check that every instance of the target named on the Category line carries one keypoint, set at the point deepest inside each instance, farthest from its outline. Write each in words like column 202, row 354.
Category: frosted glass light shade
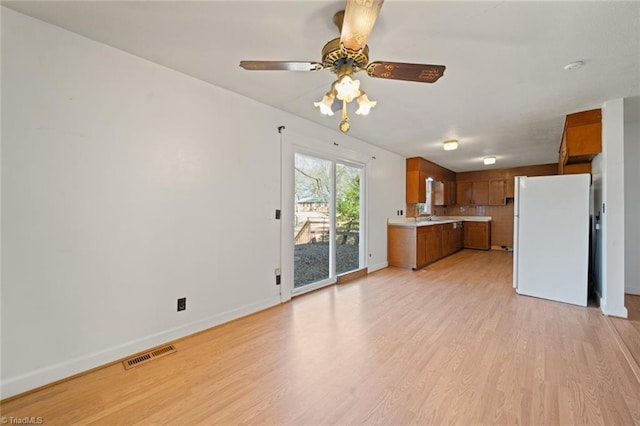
column 364, row 104
column 347, row 89
column 450, row 145
column 359, row 18
column 489, row 160
column 325, row 104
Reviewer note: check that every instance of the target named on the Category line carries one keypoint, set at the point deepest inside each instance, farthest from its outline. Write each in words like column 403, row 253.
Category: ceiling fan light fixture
column 450, row 145
column 348, row 55
column 489, row 161
column 364, row 104
column 325, row 104
column 347, row 89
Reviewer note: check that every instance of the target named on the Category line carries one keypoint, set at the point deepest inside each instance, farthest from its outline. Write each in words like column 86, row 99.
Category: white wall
column 126, row 185
column 632, row 194
column 608, row 182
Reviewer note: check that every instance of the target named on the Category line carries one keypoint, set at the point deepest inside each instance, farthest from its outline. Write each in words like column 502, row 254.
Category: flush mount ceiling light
column 450, row 145
column 573, row 65
column 349, row 54
column 489, row 160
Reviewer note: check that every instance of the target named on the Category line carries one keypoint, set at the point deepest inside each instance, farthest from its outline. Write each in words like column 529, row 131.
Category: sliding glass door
column 327, row 231
column 313, row 220
column 348, row 183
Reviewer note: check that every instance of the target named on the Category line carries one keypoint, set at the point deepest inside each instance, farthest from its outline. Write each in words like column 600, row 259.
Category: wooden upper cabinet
column 577, row 168
column 416, row 190
column 464, row 193
column 472, row 193
column 481, row 193
column 484, row 193
column 417, row 171
column 581, row 140
column 497, row 192
column 450, row 192
column 509, row 189
column 438, row 193
column 445, row 192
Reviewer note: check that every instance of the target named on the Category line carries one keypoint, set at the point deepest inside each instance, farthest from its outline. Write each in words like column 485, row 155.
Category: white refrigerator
column 551, row 237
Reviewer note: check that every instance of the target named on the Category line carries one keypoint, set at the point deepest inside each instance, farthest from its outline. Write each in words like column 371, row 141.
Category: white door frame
column 289, row 148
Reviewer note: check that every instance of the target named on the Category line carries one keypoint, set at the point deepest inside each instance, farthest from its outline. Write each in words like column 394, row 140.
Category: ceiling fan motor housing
column 334, row 55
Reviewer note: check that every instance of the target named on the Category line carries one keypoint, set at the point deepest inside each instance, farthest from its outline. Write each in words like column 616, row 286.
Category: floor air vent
column 148, row 356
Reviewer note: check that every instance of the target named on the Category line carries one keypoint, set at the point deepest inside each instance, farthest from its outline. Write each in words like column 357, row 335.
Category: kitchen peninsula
column 417, row 242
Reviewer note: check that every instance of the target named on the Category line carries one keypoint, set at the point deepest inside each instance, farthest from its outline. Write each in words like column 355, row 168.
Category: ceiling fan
column 349, row 54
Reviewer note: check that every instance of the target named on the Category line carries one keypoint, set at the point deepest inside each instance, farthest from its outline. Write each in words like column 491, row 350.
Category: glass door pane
column 348, row 218
column 312, row 233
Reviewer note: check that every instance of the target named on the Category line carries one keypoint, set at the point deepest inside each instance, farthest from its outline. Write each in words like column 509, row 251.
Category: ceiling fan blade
column 281, row 66
column 359, row 19
column 421, row 73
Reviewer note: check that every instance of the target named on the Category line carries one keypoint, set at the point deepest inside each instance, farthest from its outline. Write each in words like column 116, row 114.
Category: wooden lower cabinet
column 477, row 235
column 421, row 248
column 415, row 247
column 452, row 238
column 402, row 247
column 434, row 243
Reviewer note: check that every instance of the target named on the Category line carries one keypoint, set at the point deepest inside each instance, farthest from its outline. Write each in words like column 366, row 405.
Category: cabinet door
column 509, row 191
column 459, row 241
column 583, row 133
column 401, row 246
column 583, row 142
column 497, row 193
column 421, row 248
column 469, row 234
column 438, row 193
column 434, row 243
column 476, row 235
column 416, row 188
column 450, row 193
column 464, row 193
column 451, row 240
column 480, row 193
column 444, row 239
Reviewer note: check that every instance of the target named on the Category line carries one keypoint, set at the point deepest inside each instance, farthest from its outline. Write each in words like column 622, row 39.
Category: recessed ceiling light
column 489, row 160
column 450, row 145
column 573, row 65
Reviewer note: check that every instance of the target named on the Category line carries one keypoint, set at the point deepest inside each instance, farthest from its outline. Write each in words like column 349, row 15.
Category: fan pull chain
column 344, row 124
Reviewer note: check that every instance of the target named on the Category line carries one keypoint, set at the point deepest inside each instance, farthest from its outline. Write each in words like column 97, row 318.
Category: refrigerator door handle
column 515, row 251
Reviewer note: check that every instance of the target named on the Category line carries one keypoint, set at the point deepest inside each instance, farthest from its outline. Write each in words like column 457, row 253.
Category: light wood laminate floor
column 451, row 343
column 629, row 329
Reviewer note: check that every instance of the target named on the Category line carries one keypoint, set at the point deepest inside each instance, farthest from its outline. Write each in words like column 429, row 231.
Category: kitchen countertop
column 411, row 222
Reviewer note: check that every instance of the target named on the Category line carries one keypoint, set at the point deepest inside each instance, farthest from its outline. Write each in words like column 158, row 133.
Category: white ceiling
column 504, row 91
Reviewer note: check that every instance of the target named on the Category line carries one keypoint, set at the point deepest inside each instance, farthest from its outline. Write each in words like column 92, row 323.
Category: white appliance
column 551, row 237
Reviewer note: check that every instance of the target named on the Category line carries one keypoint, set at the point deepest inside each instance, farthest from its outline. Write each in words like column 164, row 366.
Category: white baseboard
column 632, row 290
column 377, row 267
column 614, row 311
column 53, row 373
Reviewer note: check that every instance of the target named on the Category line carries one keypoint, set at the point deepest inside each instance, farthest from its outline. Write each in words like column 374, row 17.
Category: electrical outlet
column 182, row 304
